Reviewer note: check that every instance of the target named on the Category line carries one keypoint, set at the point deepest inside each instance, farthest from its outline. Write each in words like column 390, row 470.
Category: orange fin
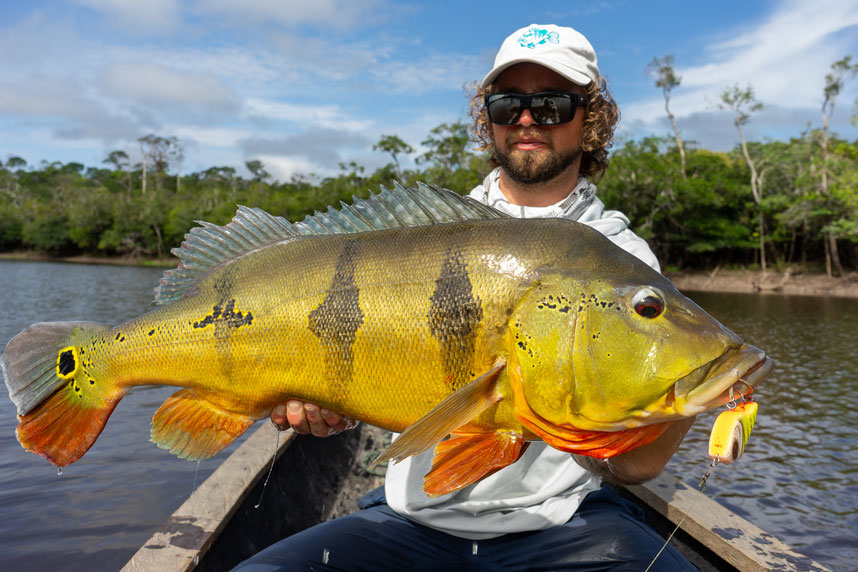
column 466, row 458
column 65, row 425
column 192, row 428
column 603, row 444
column 456, row 410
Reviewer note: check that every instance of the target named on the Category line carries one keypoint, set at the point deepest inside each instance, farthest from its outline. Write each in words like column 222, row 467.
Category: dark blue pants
column 606, row 533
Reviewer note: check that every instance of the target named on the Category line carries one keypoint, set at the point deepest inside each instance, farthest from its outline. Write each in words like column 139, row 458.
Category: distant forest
column 762, row 205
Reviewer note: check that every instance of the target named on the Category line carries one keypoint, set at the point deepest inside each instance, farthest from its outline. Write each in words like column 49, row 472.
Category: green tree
column 257, row 169
column 661, row 70
column 450, row 162
column 841, row 70
column 742, row 103
column 122, row 164
column 394, row 146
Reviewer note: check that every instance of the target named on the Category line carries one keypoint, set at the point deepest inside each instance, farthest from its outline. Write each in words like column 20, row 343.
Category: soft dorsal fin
column 208, row 246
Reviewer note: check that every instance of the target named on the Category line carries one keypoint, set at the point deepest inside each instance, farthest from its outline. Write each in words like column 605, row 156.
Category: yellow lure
column 731, row 432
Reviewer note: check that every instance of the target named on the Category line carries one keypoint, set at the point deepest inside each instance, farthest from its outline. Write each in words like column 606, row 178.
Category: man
column 545, row 114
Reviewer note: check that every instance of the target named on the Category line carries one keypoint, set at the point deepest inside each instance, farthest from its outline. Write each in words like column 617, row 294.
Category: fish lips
column 735, row 374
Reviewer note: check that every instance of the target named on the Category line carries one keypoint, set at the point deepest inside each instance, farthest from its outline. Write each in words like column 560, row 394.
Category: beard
column 529, row 167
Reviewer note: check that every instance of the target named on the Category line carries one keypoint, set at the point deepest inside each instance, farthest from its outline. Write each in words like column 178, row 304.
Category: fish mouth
column 727, row 379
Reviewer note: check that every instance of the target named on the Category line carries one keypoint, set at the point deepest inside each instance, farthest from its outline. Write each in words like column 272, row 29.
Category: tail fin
column 62, row 408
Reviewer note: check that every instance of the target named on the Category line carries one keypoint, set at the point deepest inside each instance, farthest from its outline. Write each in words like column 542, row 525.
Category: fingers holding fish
column 309, row 419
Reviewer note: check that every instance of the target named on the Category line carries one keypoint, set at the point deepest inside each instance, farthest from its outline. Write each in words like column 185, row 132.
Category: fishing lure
column 731, row 431
column 727, row 441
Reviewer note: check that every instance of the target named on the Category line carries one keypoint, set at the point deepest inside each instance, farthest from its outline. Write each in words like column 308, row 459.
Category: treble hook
column 745, row 396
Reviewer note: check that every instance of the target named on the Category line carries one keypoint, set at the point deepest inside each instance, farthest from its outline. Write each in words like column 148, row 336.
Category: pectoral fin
column 195, row 429
column 456, row 410
column 466, row 458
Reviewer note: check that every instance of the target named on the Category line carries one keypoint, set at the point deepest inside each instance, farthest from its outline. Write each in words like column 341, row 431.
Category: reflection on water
column 798, row 478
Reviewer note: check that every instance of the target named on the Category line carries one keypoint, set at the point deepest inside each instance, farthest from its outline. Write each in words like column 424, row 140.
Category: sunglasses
column 547, row 107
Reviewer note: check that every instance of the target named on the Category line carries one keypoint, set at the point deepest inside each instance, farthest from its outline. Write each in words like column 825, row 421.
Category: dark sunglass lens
column 552, row 109
column 504, row 110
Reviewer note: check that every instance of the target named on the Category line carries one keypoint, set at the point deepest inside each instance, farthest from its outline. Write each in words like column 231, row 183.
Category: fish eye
column 648, row 304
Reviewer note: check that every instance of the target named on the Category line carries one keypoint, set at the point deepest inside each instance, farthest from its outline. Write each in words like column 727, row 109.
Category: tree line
column 763, row 204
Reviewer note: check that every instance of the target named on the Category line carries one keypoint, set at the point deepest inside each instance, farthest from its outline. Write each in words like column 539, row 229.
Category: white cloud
column 42, row 96
column 151, row 16
column 336, row 14
column 284, row 168
column 784, row 58
column 156, row 85
column 328, row 116
column 223, row 137
column 322, row 146
column 429, row 73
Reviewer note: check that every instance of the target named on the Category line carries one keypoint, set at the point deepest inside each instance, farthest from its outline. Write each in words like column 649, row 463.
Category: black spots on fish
column 338, row 318
column 596, row 335
column 224, row 318
column 558, row 303
column 454, row 316
column 67, row 362
column 151, row 333
column 120, row 337
column 592, row 300
column 525, row 347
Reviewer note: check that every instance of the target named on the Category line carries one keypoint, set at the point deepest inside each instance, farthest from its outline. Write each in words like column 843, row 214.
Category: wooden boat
column 314, row 480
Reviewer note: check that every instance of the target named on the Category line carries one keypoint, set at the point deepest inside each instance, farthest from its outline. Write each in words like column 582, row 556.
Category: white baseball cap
column 562, row 50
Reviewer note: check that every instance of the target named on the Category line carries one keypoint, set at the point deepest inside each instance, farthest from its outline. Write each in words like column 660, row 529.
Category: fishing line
column 270, row 469
column 731, row 404
column 702, row 486
column 196, row 472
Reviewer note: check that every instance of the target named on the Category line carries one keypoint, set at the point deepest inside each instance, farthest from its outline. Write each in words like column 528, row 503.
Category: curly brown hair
column 602, row 116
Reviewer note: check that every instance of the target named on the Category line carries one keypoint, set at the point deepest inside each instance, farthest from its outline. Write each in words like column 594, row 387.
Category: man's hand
column 641, row 464
column 307, row 418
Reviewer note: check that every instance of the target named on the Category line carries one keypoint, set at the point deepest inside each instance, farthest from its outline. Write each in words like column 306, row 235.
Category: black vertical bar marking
column 337, row 319
column 454, row 314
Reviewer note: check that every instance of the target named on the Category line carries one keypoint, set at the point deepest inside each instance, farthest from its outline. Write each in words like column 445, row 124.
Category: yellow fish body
column 416, row 311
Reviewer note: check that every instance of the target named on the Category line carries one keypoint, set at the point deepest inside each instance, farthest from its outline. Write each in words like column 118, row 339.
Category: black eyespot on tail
column 66, row 363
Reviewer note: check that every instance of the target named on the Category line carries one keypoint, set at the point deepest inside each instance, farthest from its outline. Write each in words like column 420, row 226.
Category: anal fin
column 455, row 410
column 466, row 458
column 195, row 429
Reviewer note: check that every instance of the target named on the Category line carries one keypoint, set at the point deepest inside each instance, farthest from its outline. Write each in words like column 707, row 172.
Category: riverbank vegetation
column 706, row 218
column 764, row 204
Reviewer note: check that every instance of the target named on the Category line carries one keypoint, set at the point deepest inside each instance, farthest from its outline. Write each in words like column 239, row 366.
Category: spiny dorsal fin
column 208, row 246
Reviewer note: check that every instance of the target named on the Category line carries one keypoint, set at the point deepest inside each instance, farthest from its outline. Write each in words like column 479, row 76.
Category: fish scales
column 374, row 325
column 447, row 319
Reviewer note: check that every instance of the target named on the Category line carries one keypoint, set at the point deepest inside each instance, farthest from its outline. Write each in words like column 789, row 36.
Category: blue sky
column 304, row 86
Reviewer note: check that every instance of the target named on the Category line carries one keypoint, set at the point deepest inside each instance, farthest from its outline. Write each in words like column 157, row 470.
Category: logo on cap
column 536, row 36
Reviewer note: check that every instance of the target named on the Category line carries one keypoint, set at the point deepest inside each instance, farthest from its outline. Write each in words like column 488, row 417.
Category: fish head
column 599, row 353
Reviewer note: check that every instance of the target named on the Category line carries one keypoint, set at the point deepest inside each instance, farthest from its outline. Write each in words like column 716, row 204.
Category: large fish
column 416, row 310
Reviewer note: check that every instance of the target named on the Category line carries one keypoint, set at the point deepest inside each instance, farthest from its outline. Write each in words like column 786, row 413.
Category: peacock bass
column 416, row 310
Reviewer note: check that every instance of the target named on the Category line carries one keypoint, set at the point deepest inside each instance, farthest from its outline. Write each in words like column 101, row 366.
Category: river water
column 797, row 480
